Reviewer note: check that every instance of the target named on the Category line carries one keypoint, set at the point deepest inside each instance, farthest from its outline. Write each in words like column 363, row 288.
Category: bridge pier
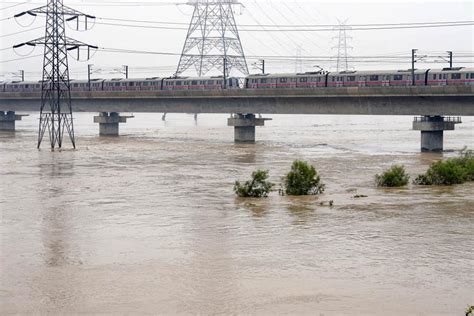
column 8, row 119
column 109, row 123
column 244, row 127
column 432, row 131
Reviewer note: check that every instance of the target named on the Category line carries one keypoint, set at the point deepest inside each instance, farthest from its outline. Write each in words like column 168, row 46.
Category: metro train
column 308, row 80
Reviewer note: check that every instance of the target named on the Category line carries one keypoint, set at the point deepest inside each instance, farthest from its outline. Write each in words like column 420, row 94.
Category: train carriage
column 151, row 84
column 375, row 78
column 282, row 81
column 23, row 86
column 122, row 84
column 83, row 85
column 451, row 76
column 200, row 83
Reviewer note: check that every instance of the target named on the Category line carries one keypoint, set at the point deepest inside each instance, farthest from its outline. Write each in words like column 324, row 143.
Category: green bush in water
column 447, row 172
column 303, row 179
column 257, row 187
column 466, row 161
column 393, row 177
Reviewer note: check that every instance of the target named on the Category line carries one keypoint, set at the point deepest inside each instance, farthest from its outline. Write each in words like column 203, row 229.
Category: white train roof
column 199, row 78
column 133, row 79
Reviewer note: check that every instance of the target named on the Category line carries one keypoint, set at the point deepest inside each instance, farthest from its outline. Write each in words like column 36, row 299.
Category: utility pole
column 260, row 65
column 413, row 61
column 56, row 110
column 225, row 73
column 450, row 59
column 22, row 75
column 125, row 71
column 89, row 71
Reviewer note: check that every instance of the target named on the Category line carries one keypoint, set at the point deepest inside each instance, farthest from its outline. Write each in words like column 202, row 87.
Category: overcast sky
column 430, row 41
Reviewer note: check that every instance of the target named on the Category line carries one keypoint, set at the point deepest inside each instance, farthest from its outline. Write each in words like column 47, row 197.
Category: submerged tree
column 257, row 187
column 303, row 179
column 393, row 177
column 449, row 172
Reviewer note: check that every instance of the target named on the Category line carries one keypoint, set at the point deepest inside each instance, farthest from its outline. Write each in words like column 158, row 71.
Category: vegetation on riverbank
column 394, row 177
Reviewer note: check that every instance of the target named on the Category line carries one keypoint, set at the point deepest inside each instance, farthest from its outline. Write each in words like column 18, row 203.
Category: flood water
column 148, row 222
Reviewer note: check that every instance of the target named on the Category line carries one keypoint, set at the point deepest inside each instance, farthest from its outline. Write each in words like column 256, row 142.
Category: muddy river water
column 148, row 222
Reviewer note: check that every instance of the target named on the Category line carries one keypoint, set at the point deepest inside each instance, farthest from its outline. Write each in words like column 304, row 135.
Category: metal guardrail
column 452, row 119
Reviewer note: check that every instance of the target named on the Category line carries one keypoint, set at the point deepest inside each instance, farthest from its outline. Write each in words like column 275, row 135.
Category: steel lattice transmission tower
column 56, row 110
column 342, row 61
column 213, row 40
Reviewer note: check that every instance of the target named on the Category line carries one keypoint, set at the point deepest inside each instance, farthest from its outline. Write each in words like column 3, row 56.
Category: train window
column 194, row 83
column 263, row 80
column 178, row 83
column 445, row 76
column 304, row 79
column 397, row 77
column 455, row 76
column 351, row 78
column 387, row 77
column 131, row 84
column 467, row 76
column 472, row 75
column 374, row 78
column 417, row 77
column 283, row 80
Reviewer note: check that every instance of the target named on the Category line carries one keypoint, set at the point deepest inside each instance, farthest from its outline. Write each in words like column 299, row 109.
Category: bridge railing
column 452, row 119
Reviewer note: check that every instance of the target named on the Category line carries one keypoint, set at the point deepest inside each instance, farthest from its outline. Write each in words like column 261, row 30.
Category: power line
column 265, row 29
column 20, row 32
column 17, row 59
column 293, row 26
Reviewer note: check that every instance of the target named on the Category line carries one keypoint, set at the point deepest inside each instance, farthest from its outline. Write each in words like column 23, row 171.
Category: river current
column 148, row 222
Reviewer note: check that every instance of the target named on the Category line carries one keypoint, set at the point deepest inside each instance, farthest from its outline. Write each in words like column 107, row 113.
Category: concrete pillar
column 432, row 130
column 109, row 123
column 244, row 127
column 8, row 119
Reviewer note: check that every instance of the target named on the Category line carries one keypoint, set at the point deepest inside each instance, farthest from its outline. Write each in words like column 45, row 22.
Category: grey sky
column 365, row 43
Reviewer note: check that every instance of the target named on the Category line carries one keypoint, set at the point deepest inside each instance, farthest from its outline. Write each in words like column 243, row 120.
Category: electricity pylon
column 342, row 61
column 213, row 41
column 56, row 110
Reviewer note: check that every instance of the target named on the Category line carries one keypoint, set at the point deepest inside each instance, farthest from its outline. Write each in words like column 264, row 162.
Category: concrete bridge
column 432, row 103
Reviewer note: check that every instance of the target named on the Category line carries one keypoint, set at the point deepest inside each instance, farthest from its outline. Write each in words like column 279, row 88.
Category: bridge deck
column 419, row 100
